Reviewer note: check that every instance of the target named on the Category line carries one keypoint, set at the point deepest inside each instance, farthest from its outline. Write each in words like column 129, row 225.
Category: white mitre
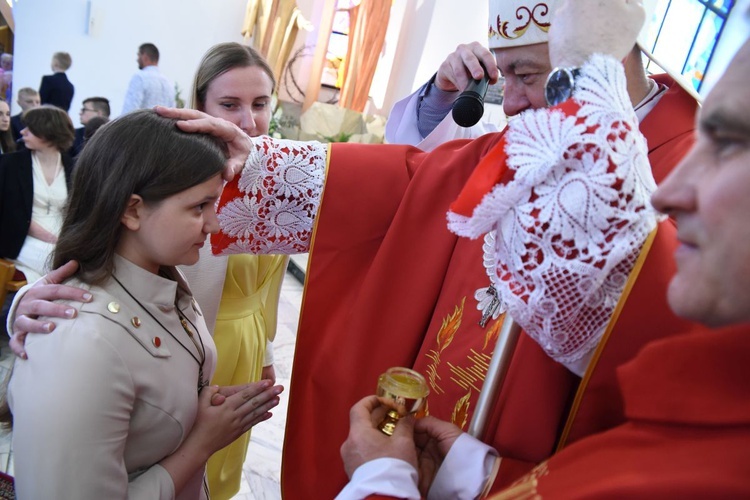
column 520, row 22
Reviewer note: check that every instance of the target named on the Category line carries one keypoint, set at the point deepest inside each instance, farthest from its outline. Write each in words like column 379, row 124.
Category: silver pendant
column 201, row 383
column 491, row 308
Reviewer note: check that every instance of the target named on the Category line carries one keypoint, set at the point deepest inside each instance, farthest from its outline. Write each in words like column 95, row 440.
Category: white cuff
column 382, row 476
column 467, row 472
column 268, row 358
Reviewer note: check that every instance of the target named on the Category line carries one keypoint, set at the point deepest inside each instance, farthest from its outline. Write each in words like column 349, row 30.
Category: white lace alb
column 566, row 231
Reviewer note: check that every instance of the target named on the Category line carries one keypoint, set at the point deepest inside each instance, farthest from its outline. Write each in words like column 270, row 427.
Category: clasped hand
column 225, row 413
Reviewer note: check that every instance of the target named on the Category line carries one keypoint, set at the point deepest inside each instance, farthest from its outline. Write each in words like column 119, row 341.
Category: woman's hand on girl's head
column 238, row 143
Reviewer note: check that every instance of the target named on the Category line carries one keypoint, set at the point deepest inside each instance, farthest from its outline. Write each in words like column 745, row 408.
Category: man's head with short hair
column 707, row 195
column 28, row 98
column 517, row 34
column 61, row 61
column 6, row 62
column 92, row 107
column 148, row 55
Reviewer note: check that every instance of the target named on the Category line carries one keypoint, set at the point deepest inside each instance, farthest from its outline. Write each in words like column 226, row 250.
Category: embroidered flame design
column 525, row 488
column 460, row 416
column 490, row 338
column 444, row 338
column 450, row 326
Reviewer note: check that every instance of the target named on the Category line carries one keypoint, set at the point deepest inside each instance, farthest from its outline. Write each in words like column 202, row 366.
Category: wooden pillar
column 321, row 48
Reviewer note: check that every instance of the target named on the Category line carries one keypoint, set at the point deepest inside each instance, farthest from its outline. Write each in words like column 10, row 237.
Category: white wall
column 421, row 34
column 104, row 58
column 431, row 29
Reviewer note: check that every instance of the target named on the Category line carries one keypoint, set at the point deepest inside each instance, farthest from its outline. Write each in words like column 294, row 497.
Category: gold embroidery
column 526, row 17
column 525, row 491
column 473, row 375
column 460, row 416
column 490, row 338
column 526, row 487
column 583, row 385
column 444, row 338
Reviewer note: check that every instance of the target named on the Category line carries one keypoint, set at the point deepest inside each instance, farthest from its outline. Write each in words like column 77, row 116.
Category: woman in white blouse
column 34, row 187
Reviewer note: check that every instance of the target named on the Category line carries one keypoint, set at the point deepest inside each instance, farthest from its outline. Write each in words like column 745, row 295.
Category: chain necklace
column 201, row 358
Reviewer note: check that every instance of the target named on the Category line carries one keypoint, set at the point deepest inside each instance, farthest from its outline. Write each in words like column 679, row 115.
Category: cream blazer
column 107, row 395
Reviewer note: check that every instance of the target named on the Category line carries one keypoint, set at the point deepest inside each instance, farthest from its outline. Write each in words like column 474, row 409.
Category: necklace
column 201, row 358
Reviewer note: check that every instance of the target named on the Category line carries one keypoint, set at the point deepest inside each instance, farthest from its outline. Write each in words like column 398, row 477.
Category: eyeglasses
column 83, row 110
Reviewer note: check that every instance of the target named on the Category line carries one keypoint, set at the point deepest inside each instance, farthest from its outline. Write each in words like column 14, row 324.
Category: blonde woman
column 235, row 83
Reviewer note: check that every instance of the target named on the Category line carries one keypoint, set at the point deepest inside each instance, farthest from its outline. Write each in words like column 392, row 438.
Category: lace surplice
column 280, row 189
column 562, row 236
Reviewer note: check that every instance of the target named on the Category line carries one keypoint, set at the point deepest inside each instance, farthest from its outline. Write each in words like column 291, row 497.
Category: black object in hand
column 469, row 107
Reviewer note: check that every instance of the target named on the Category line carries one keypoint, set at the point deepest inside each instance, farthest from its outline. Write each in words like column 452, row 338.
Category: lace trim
column 570, row 224
column 281, row 185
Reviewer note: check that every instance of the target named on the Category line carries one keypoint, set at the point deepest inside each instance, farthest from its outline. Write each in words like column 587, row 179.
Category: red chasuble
column 389, row 285
column 687, row 403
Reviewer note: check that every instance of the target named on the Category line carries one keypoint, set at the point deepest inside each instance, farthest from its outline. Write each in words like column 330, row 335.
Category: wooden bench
column 8, row 280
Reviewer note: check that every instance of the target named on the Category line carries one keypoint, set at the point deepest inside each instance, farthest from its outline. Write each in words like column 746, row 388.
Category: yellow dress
column 246, row 318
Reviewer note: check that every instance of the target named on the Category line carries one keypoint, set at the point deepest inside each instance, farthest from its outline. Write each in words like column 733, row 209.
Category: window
column 683, row 35
column 337, row 44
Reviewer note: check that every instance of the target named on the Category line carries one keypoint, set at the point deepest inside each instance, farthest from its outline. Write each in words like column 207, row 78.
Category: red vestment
column 687, row 435
column 389, row 285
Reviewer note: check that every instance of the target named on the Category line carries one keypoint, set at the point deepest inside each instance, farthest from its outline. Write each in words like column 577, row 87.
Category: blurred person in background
column 34, row 187
column 27, row 98
column 148, row 87
column 56, row 89
column 92, row 107
column 7, row 144
column 6, row 63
